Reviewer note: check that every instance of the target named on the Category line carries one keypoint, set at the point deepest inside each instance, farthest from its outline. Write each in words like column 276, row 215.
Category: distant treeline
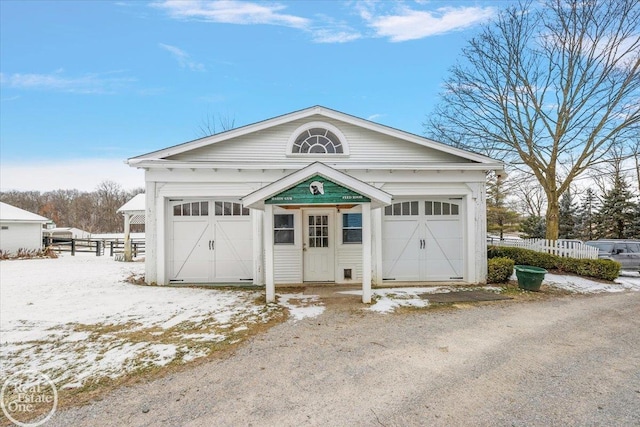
column 95, row 211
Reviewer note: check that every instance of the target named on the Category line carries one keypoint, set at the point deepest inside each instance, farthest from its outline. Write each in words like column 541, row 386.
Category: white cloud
column 95, row 83
column 231, row 12
column 374, row 117
column 334, row 36
column 56, row 174
column 410, row 24
column 182, row 57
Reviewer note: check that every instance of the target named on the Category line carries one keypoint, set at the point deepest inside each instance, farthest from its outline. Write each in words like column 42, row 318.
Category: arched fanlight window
column 317, row 139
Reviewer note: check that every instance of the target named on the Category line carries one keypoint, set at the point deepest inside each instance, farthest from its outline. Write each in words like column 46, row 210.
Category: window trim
column 352, row 228
column 292, row 229
column 310, row 125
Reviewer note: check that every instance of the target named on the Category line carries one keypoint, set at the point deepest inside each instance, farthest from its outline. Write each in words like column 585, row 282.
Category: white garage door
column 210, row 241
column 422, row 240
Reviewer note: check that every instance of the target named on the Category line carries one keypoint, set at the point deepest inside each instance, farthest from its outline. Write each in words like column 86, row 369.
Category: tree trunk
column 552, row 217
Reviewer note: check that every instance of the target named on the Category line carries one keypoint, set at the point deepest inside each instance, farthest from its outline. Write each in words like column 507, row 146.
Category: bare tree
column 211, row 126
column 529, row 194
column 548, row 87
column 636, row 157
column 109, row 197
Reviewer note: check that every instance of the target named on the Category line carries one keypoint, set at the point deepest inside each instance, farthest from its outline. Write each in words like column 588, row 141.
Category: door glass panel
column 204, row 208
column 318, row 231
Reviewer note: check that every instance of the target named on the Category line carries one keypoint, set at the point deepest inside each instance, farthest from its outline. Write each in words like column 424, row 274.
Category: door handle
column 213, row 245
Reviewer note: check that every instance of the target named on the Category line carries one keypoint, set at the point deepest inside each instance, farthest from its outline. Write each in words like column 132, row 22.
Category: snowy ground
column 78, row 320
column 628, row 280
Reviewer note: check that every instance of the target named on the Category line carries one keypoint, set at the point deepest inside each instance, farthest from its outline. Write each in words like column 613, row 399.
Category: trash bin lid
column 529, row 269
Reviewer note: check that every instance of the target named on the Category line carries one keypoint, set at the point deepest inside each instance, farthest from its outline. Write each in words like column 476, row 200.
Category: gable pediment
column 273, row 141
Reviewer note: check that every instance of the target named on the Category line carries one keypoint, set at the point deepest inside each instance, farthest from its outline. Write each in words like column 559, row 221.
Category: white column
column 376, row 224
column 161, row 228
column 150, row 233
column 258, row 252
column 127, row 237
column 366, row 253
column 267, row 233
column 472, row 228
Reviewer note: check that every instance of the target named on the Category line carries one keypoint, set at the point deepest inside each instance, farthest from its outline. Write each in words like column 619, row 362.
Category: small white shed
column 20, row 229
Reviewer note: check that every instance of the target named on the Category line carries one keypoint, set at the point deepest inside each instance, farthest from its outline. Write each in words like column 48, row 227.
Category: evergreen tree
column 568, row 217
column 534, row 227
column 634, row 229
column 617, row 214
column 587, row 212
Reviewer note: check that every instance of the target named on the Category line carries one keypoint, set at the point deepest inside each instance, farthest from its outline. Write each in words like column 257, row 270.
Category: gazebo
column 133, row 213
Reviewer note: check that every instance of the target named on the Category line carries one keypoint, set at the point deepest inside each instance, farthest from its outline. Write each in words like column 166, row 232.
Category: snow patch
column 305, row 306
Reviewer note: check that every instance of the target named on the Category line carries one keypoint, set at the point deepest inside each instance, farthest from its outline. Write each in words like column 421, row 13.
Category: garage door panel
column 401, row 260
column 191, row 258
column 234, row 249
column 211, row 241
column 426, row 247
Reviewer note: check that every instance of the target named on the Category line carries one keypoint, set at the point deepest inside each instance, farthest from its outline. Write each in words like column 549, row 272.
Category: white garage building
column 315, row 196
column 20, row 229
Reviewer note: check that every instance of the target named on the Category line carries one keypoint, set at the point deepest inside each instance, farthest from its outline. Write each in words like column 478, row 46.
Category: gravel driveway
column 571, row 360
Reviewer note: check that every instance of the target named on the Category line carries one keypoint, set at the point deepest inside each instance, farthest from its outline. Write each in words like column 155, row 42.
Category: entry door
column 318, row 246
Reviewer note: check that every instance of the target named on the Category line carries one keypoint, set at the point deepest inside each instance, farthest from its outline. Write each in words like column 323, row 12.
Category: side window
column 633, row 247
column 352, row 228
column 620, row 248
column 283, row 229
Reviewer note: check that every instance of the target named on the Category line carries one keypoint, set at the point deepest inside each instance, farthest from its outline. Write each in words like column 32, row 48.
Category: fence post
column 98, row 247
column 73, row 247
column 111, row 248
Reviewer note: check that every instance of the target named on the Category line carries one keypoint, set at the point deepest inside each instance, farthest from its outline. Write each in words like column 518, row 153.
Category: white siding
column 271, row 145
column 349, row 256
column 287, row 264
column 20, row 235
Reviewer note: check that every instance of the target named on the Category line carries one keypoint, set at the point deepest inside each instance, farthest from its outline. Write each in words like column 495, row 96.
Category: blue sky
column 86, row 84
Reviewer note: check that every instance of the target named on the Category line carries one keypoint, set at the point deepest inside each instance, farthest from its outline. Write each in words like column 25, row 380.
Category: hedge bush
column 597, row 268
column 500, row 270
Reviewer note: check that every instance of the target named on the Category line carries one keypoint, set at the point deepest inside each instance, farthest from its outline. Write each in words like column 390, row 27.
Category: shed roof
column 14, row 214
column 135, row 205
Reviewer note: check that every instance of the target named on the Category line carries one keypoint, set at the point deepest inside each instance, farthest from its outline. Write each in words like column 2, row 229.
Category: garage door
column 210, row 241
column 422, row 240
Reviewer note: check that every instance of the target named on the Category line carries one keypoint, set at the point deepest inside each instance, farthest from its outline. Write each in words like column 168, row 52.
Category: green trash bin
column 529, row 278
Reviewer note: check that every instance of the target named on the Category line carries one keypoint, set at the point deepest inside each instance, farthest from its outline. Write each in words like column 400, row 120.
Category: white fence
column 563, row 248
